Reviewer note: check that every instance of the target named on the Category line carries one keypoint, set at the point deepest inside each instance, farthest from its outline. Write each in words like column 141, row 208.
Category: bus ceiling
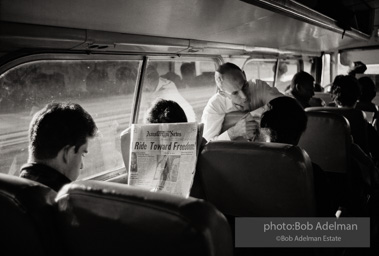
column 178, row 26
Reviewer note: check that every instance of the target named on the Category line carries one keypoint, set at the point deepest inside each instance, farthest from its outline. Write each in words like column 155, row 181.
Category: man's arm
column 212, row 126
column 261, row 94
column 213, row 118
column 245, row 127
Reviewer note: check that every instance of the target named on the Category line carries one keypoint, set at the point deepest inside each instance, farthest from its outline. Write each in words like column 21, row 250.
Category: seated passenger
column 188, row 72
column 286, row 121
column 302, row 89
column 164, row 89
column 161, row 111
column 58, row 140
column 346, row 91
column 235, row 94
column 172, row 76
column 368, row 93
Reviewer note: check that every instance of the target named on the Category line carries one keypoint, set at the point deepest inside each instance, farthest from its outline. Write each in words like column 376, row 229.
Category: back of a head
column 345, row 90
column 165, row 111
column 58, row 125
column 286, row 119
column 228, row 67
column 368, row 89
column 301, row 78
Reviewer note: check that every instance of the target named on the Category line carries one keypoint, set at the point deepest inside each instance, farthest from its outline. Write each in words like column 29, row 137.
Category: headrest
column 356, row 118
column 26, row 213
column 327, row 140
column 109, row 218
column 256, row 179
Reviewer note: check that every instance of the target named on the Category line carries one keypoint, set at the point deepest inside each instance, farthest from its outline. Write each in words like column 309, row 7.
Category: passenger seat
column 250, row 179
column 358, row 124
column 26, row 217
column 101, row 218
column 329, row 143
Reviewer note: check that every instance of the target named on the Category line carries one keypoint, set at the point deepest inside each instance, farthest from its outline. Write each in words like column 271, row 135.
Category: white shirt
column 217, row 106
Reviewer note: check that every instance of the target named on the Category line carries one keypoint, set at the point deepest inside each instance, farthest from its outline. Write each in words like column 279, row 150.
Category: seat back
column 104, row 218
column 327, row 140
column 250, row 179
column 371, row 112
column 358, row 124
column 26, row 217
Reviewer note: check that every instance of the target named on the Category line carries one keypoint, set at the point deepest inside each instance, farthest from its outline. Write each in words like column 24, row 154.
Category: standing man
column 235, row 94
column 58, row 141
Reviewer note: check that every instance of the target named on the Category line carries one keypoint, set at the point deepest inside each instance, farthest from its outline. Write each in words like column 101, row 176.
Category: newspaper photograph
column 163, row 157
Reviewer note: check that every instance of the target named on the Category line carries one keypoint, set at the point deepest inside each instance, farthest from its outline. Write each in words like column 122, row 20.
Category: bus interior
column 108, row 56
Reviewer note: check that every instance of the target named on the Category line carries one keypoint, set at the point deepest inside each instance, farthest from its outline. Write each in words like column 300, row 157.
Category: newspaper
column 163, row 156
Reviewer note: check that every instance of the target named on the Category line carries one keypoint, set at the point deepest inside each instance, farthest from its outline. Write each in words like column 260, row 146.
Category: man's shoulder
column 44, row 174
column 260, row 85
column 217, row 103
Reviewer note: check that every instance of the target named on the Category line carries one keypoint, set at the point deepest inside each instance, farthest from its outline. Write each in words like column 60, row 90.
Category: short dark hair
column 227, row 67
column 286, row 119
column 368, row 89
column 165, row 111
column 58, row 125
column 345, row 90
column 301, row 77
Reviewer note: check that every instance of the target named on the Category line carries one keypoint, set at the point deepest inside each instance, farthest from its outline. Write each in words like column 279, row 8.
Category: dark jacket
column 45, row 175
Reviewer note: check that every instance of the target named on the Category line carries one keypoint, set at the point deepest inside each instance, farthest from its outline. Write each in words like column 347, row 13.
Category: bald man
column 235, row 94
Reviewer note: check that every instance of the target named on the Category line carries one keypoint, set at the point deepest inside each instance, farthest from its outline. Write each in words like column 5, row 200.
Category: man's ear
column 67, row 153
column 218, row 79
column 297, row 87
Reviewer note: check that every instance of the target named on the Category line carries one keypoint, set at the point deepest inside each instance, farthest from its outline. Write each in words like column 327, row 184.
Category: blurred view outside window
column 104, row 88
column 265, row 70
column 188, row 82
column 325, row 78
column 260, row 69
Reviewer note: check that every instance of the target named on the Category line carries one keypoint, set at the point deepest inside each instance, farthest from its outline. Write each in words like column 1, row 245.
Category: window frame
column 14, row 60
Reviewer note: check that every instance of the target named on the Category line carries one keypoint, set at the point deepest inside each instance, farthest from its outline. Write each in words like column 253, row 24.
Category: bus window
column 265, row 70
column 189, row 82
column 260, row 69
column 104, row 88
column 343, row 66
column 325, row 78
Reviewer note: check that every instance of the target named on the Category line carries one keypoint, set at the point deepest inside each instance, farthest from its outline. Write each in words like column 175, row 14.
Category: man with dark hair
column 286, row 120
column 345, row 91
column 165, row 111
column 368, row 93
column 235, row 94
column 302, row 88
column 58, row 139
column 161, row 111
